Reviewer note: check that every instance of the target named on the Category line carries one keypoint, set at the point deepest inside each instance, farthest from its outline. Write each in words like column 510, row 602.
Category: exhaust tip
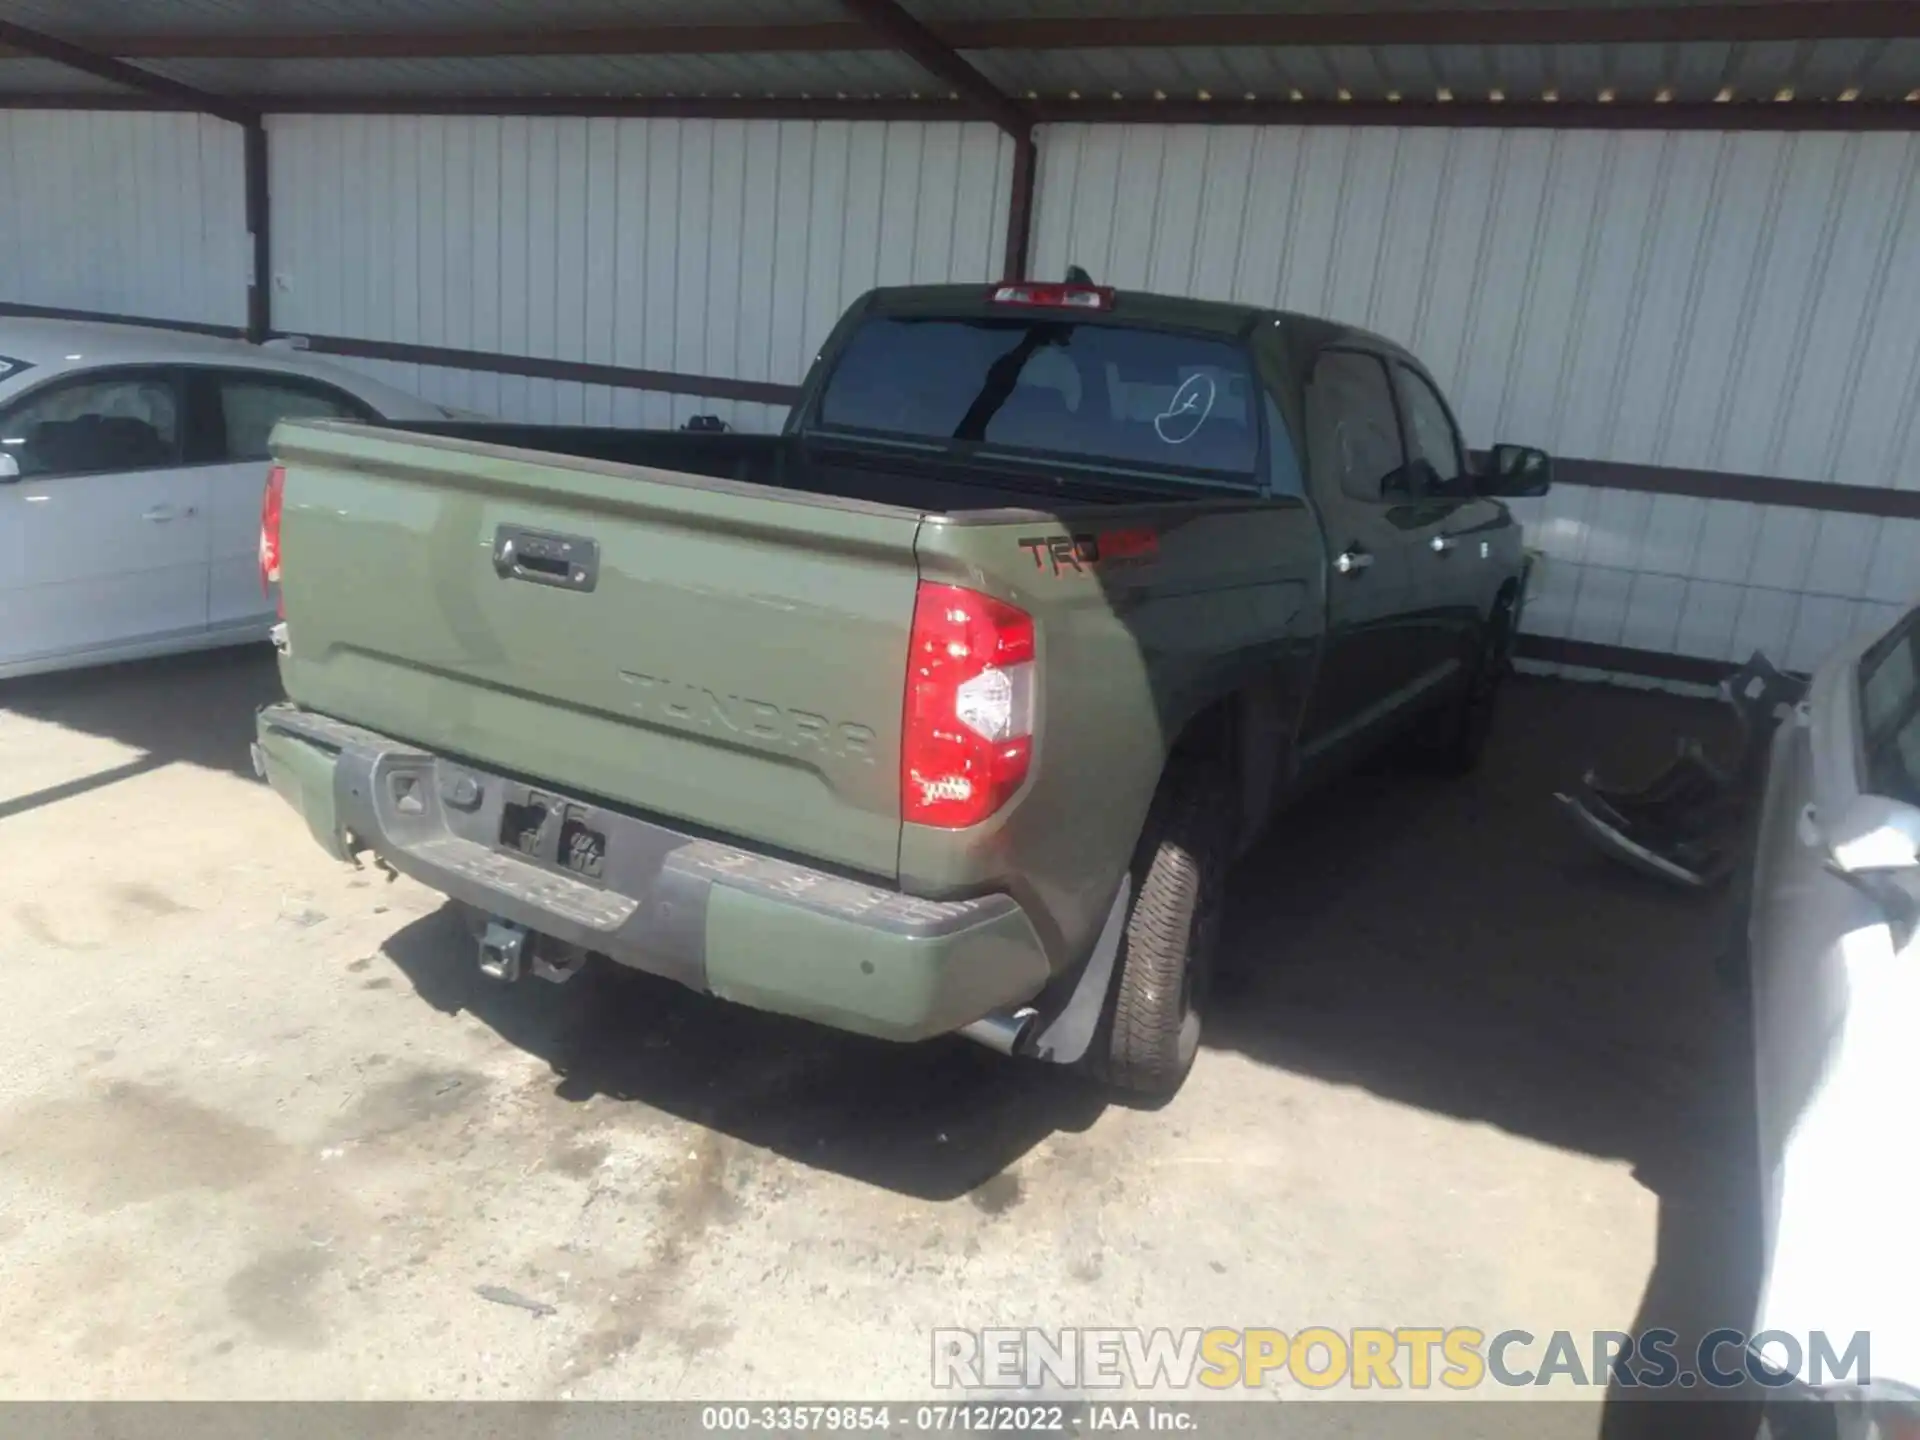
column 1004, row 1031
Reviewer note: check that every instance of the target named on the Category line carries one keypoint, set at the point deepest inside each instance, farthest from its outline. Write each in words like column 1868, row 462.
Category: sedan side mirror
column 9, row 468
column 1875, row 834
column 1514, row 471
column 1875, row 847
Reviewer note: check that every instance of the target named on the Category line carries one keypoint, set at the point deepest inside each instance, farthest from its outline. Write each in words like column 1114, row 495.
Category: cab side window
column 1353, row 432
column 94, row 425
column 1433, row 446
column 252, row 404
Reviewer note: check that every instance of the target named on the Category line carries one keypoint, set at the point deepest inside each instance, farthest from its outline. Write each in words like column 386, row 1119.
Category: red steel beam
column 902, row 32
column 1758, row 20
column 905, row 33
column 1855, row 115
column 105, row 67
column 1026, row 167
column 259, row 213
column 662, row 107
column 1811, row 115
column 1441, row 25
column 469, row 44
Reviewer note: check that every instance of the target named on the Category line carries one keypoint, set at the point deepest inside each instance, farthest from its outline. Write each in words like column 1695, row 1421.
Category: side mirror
column 1515, row 471
column 1875, row 834
column 1875, row 847
column 9, row 468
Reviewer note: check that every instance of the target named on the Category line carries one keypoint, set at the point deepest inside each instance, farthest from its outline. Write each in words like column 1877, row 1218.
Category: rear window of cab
column 1051, row 387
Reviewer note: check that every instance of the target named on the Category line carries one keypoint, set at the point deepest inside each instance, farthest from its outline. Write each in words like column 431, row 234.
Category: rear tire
column 1165, row 966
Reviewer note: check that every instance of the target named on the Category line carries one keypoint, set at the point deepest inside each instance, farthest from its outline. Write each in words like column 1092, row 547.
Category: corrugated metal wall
column 1738, row 302
column 723, row 248
column 137, row 214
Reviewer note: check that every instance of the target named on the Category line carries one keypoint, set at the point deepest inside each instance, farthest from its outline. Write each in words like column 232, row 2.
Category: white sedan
column 132, row 464
column 1833, row 945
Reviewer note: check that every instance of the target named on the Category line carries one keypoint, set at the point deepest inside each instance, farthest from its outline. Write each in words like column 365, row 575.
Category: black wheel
column 1458, row 736
column 1165, row 965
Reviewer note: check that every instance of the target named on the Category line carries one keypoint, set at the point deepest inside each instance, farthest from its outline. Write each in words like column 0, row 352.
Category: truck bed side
column 1196, row 612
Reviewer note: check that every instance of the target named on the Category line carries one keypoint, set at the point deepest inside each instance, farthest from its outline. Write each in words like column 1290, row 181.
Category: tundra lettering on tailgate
column 693, row 707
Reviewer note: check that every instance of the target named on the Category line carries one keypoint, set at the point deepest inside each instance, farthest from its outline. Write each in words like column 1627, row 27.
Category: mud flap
column 1066, row 1037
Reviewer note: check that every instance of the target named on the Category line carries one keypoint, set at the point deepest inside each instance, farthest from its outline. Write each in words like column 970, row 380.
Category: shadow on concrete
column 197, row 709
column 935, row 1121
column 1454, row 946
column 1449, row 945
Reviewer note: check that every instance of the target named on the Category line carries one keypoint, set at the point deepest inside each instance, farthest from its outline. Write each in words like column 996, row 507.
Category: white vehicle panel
column 102, row 560
column 100, row 564
column 234, row 593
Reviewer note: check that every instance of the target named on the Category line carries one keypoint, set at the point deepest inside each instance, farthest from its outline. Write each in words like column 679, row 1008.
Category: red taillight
column 1059, row 297
column 968, row 737
column 270, row 504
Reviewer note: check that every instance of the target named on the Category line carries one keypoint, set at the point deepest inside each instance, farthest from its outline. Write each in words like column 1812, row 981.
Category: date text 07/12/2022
column 960, row 1417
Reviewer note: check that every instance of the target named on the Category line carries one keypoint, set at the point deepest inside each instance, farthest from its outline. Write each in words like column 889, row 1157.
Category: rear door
column 1355, row 457
column 103, row 538
column 1448, row 527
column 230, row 415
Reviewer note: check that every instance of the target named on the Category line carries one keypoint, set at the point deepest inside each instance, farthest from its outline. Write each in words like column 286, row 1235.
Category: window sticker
column 1187, row 411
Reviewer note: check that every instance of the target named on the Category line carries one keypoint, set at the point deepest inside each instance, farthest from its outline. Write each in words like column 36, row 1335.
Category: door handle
column 1350, row 561
column 1441, row 544
column 570, row 562
column 161, row 514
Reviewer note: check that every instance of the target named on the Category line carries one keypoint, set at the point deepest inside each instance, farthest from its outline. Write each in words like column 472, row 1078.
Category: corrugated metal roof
column 1822, row 70
column 1814, row 70
column 1825, row 69
column 947, row 10
column 43, row 77
column 858, row 73
column 77, row 19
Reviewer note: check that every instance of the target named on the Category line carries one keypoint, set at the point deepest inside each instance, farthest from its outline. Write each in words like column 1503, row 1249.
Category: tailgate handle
column 541, row 557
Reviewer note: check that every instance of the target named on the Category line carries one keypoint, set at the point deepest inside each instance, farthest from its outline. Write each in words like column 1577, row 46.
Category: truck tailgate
column 725, row 654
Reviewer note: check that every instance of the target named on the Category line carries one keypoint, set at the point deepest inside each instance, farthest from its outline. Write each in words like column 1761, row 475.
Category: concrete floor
column 264, row 1129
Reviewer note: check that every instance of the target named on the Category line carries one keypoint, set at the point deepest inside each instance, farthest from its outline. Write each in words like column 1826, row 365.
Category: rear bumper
column 763, row 932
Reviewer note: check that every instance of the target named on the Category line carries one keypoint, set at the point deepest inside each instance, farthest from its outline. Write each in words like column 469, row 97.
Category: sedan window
column 87, row 426
column 254, row 404
column 1890, row 712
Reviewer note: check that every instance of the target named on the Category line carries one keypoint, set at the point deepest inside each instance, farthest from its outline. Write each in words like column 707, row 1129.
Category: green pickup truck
column 946, row 709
